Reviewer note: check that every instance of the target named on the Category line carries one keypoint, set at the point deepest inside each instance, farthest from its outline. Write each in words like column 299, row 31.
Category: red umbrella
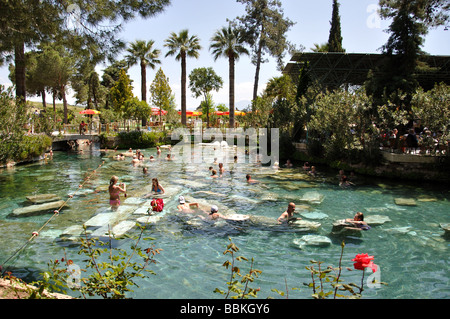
column 191, row 113
column 90, row 112
column 187, row 112
column 157, row 111
column 235, row 113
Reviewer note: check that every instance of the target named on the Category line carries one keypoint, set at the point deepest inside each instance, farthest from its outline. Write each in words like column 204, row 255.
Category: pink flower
column 363, row 261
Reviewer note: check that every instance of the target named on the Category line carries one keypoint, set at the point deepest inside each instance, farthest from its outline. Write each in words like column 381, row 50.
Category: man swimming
column 185, row 207
column 288, row 214
column 214, row 214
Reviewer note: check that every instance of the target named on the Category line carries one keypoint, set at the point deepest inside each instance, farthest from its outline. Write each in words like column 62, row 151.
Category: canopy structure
column 336, row 69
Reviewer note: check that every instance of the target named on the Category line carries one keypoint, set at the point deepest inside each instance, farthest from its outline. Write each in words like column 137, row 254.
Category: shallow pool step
column 39, row 209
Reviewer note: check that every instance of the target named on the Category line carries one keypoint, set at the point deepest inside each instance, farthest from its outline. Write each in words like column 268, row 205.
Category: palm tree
column 182, row 46
column 229, row 43
column 144, row 53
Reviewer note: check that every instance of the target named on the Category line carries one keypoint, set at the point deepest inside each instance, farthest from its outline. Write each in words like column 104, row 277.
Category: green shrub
column 140, row 139
column 32, row 146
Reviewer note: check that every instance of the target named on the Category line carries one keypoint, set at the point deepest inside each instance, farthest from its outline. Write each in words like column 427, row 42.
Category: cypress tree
column 335, row 38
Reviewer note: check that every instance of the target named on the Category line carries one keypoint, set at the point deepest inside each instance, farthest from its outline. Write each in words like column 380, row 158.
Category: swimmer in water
column 185, row 207
column 214, row 174
column 114, row 191
column 250, row 180
column 221, row 169
column 156, row 187
column 288, row 215
column 135, row 160
column 358, row 221
column 214, row 214
column 313, row 171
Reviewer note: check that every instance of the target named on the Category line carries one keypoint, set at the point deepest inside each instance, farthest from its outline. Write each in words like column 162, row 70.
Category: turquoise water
column 410, row 249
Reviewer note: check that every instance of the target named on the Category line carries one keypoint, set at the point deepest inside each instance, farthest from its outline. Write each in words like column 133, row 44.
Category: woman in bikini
column 156, row 187
column 114, row 191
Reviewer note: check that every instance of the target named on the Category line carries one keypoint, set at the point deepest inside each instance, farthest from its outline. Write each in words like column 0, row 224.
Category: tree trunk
column 183, row 88
column 258, row 66
column 54, row 104
column 231, row 92
column 144, row 89
column 205, row 95
column 19, row 59
column 63, row 92
column 44, row 103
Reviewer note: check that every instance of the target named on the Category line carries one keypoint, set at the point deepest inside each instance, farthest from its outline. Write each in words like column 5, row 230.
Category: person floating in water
column 221, row 169
column 288, row 164
column 358, row 221
column 214, row 214
column 114, row 191
column 250, row 180
column 313, row 171
column 344, row 182
column 214, row 174
column 185, row 207
column 288, row 214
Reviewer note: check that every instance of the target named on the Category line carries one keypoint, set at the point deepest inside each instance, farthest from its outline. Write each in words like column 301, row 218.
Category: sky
column 362, row 31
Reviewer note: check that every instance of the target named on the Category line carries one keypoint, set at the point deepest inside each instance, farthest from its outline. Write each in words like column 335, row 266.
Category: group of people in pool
column 288, row 215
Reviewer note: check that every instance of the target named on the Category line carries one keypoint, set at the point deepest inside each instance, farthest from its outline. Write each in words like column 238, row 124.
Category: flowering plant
column 362, row 261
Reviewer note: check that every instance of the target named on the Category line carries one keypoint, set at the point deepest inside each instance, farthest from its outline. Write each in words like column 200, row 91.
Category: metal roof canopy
column 336, row 69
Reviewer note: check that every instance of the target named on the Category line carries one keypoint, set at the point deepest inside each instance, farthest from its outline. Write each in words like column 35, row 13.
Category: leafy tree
column 432, row 13
column 86, row 84
column 121, row 92
column 35, row 81
column 207, row 107
column 87, row 25
column 202, row 81
column 143, row 53
column 110, row 76
column 182, row 45
column 133, row 108
column 55, row 68
column 410, row 23
column 13, row 117
column 161, row 93
column 229, row 43
column 320, row 47
column 265, row 28
column 281, row 88
column 433, row 109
